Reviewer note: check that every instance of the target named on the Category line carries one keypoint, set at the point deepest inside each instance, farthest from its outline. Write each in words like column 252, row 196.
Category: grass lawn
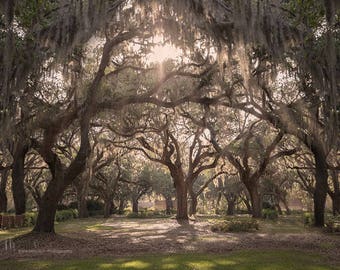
column 285, row 224
column 73, row 225
column 246, row 260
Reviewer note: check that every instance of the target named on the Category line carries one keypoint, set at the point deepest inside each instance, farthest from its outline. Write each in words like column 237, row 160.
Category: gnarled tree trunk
column 193, row 201
column 108, row 207
column 255, row 199
column 18, row 176
column 168, row 205
column 231, row 200
column 3, row 193
column 335, row 196
column 182, row 200
column 82, row 206
column 121, row 206
column 49, row 202
column 321, row 185
column 134, row 205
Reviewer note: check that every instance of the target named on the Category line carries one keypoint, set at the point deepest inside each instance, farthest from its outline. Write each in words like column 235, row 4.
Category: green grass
column 4, row 234
column 246, row 260
column 73, row 225
column 285, row 224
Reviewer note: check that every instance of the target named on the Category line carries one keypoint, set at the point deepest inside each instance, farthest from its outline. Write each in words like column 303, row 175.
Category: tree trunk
column 278, row 207
column 193, row 201
column 108, row 208
column 54, row 192
column 3, row 193
column 134, row 205
column 82, row 190
column 231, row 207
column 182, row 200
column 121, row 206
column 321, row 185
column 219, row 197
column 168, row 205
column 18, row 176
column 82, row 206
column 48, row 207
column 256, row 202
column 247, row 204
column 285, row 203
column 335, row 203
column 335, row 195
column 193, row 205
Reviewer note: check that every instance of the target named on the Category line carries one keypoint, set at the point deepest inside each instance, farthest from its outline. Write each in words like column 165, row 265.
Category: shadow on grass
column 285, row 260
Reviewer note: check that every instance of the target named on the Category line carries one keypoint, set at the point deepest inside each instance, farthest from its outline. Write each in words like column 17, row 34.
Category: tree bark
column 247, row 204
column 108, row 207
column 285, row 203
column 48, row 207
column 61, row 179
column 193, row 205
column 335, row 203
column 134, row 205
column 3, row 193
column 256, row 202
column 121, row 206
column 321, row 185
column 182, row 201
column 278, row 207
column 82, row 206
column 231, row 206
column 82, row 190
column 18, row 176
column 193, row 198
column 168, row 205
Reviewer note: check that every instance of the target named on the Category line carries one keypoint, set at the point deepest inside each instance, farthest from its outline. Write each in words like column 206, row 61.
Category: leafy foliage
column 236, row 225
column 270, row 214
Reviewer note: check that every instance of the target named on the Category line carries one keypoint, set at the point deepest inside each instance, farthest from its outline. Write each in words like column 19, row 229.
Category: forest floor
column 120, row 236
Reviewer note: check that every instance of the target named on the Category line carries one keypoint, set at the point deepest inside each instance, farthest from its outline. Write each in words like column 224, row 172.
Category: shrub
column 147, row 214
column 66, row 215
column 270, row 214
column 75, row 213
column 72, row 205
column 308, row 219
column 93, row 205
column 239, row 225
column 30, row 219
column 61, row 207
column 333, row 225
column 268, row 205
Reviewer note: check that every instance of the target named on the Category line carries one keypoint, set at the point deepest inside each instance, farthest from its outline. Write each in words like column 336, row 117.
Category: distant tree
column 163, row 185
column 142, row 185
column 250, row 154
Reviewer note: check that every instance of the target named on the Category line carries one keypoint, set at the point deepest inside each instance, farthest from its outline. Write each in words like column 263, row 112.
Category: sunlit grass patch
column 14, row 232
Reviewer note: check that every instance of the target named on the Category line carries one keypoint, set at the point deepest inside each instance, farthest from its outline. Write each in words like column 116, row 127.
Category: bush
column 268, row 205
column 239, row 225
column 333, row 225
column 75, row 213
column 93, row 205
column 66, row 215
column 30, row 219
column 308, row 219
column 147, row 214
column 72, row 205
column 61, row 207
column 270, row 214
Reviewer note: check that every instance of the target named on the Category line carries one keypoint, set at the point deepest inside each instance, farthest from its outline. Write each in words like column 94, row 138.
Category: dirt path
column 124, row 237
